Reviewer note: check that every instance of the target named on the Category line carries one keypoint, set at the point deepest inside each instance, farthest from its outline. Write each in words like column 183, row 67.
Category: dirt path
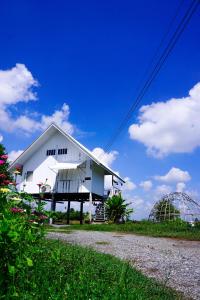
column 174, row 262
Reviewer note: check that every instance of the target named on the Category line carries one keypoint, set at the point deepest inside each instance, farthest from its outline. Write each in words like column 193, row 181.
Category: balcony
column 68, row 186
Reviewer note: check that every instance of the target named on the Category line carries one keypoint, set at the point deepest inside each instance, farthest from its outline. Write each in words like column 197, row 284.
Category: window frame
column 51, row 152
column 29, row 176
column 62, row 151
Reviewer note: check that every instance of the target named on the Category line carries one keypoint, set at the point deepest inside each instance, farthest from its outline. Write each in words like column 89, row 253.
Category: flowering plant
column 17, row 210
column 5, row 177
column 4, row 156
column 2, row 176
column 21, row 220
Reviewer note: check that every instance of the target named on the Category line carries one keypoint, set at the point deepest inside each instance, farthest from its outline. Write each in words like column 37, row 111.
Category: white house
column 62, row 169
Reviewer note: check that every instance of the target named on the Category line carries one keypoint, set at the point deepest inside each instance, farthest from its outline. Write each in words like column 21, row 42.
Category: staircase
column 100, row 213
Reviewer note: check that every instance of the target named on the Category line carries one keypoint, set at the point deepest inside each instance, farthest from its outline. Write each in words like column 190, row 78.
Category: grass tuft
column 102, row 243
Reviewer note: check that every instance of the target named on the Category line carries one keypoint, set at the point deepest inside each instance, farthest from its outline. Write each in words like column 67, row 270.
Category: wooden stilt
column 90, row 207
column 81, row 213
column 53, row 204
column 68, row 212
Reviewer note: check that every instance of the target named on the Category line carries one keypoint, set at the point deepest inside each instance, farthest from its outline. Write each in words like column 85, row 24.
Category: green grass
column 171, row 229
column 62, row 271
column 102, row 243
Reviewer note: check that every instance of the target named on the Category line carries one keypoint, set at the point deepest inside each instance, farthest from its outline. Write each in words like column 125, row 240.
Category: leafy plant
column 117, row 209
column 21, row 228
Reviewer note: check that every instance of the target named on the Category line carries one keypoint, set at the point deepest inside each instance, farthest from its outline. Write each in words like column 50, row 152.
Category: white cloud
column 180, row 187
column 128, row 185
column 106, row 158
column 14, row 154
column 170, row 127
column 16, row 85
column 162, row 190
column 1, row 138
column 137, row 202
column 146, row 185
column 60, row 117
column 175, row 175
column 141, row 207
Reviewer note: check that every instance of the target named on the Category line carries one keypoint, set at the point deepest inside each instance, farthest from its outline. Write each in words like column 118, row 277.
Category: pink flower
column 4, row 156
column 2, row 176
column 2, row 162
column 17, row 210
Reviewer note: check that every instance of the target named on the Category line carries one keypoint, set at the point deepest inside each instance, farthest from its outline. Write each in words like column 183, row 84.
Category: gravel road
column 174, row 262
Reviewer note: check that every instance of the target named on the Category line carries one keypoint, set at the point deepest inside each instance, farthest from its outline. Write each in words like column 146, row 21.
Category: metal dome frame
column 187, row 210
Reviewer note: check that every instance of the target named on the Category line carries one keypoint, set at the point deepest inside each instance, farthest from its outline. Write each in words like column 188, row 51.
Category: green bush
column 59, row 216
column 117, row 209
column 21, row 228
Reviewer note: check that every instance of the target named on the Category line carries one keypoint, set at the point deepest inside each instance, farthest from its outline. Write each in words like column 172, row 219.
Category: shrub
column 21, row 220
column 20, row 231
column 59, row 216
column 117, row 209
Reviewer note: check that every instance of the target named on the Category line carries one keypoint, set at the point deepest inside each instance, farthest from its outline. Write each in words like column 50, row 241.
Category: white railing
column 68, row 186
column 111, row 192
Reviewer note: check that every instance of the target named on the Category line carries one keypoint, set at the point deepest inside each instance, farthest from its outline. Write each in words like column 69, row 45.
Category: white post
column 90, row 207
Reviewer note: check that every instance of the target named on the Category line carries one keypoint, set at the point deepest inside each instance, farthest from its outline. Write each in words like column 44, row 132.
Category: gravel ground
column 174, row 262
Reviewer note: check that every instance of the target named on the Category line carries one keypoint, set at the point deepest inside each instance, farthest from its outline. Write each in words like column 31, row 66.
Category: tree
column 165, row 210
column 117, row 208
column 5, row 177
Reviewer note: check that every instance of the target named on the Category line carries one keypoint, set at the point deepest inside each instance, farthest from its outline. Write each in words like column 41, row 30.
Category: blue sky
column 91, row 55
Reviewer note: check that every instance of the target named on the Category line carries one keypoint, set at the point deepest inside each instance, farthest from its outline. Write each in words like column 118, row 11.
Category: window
column 29, row 176
column 62, row 151
column 51, row 152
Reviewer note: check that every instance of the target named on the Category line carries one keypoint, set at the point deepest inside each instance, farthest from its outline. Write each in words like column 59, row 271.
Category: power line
column 168, row 49
column 147, row 70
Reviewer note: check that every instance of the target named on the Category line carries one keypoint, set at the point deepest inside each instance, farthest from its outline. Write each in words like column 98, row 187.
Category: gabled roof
column 45, row 135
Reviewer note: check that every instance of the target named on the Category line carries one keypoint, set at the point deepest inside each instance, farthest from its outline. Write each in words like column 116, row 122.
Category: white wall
column 97, row 180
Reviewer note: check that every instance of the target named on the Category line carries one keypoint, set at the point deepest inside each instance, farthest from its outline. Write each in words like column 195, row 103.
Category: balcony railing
column 68, row 186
